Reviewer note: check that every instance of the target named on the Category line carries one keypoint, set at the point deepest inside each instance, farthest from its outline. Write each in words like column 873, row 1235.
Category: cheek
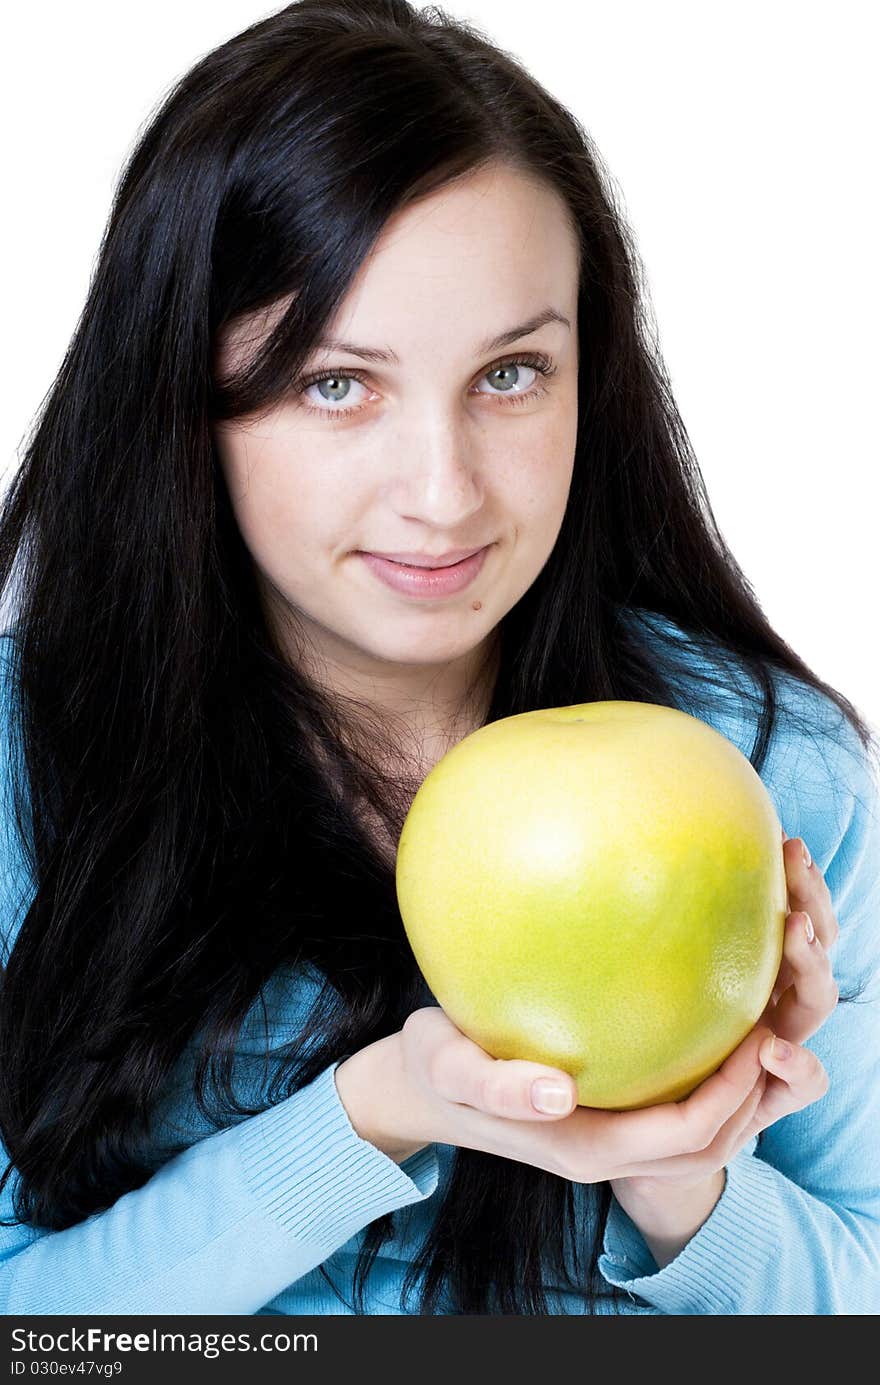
column 283, row 510
column 537, row 473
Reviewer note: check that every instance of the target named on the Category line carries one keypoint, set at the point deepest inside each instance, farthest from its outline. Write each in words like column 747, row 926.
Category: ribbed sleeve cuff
column 735, row 1244
column 308, row 1168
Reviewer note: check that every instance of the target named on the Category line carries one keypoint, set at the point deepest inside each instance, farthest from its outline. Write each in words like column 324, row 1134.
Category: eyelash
column 537, row 361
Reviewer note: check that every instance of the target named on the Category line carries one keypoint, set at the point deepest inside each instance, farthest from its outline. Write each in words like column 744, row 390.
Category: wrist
column 668, row 1214
column 371, row 1087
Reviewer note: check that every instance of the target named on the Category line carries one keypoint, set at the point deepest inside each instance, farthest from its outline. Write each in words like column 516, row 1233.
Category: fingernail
column 808, row 860
column 809, row 929
column 550, row 1098
column 779, row 1049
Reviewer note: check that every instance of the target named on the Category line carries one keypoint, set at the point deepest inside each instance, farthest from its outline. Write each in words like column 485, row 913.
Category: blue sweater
column 241, row 1220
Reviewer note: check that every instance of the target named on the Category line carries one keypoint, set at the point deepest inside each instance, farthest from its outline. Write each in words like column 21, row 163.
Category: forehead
column 486, row 251
column 492, row 211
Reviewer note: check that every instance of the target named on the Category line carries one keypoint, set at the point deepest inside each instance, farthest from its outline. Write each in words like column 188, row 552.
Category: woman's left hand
column 804, row 995
column 805, row 992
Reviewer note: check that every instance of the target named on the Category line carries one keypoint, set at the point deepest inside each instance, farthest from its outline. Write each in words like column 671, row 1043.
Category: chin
column 432, row 647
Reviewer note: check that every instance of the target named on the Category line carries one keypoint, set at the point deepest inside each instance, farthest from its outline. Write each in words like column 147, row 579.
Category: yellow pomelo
column 600, row 888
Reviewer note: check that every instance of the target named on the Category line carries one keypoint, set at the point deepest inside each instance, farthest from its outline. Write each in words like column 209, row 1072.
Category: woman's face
column 430, row 449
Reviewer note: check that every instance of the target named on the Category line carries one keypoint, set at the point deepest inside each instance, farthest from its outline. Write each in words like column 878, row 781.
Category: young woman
column 364, row 305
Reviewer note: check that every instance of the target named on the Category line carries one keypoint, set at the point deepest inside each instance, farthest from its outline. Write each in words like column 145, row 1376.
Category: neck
column 426, row 708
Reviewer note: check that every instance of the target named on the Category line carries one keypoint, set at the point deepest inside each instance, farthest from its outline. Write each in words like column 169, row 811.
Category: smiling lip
column 426, row 581
column 455, row 555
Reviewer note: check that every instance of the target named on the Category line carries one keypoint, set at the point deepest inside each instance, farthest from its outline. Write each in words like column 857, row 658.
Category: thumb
column 461, row 1071
column 521, row 1090
column 553, row 1095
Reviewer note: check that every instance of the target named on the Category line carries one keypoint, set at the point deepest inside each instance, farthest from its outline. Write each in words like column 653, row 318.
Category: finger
column 734, row 1133
column 784, row 978
column 461, row 1071
column 685, row 1127
column 808, row 891
column 813, row 993
column 793, row 1082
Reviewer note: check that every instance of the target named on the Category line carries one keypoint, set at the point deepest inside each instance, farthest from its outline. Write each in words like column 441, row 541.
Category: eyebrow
column 522, row 329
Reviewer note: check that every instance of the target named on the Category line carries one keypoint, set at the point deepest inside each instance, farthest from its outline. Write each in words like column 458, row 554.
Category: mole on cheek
column 476, row 606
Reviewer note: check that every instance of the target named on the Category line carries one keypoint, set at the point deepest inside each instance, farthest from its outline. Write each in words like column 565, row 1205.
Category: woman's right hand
column 456, row 1093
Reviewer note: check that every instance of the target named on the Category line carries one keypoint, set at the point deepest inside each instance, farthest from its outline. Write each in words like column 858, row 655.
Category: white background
column 742, row 142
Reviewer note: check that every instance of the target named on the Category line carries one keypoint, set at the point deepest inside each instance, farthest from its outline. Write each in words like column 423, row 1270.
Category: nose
column 438, row 475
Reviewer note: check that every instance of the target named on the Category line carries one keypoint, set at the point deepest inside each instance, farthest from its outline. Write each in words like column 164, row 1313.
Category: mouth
column 415, row 580
column 427, row 561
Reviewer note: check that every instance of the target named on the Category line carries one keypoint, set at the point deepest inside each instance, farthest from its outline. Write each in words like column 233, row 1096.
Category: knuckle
column 421, row 1022
column 703, row 1160
column 816, row 1080
column 411, row 1025
column 435, row 1070
column 487, row 1094
column 411, row 1033
column 441, row 1072
column 698, row 1135
column 477, row 1094
column 494, row 1092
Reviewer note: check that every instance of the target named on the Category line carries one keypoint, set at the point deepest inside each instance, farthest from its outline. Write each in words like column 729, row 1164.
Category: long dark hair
column 187, row 842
